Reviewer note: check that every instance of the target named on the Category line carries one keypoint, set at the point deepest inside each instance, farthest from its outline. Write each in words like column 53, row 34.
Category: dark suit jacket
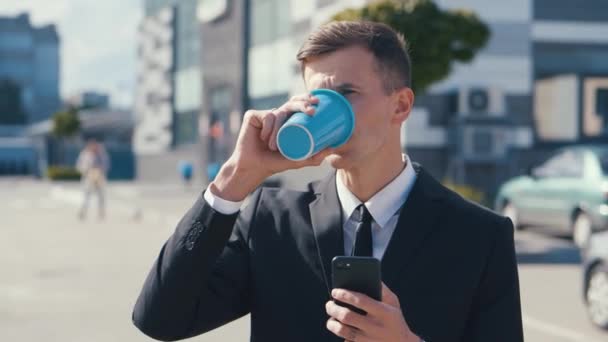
column 451, row 263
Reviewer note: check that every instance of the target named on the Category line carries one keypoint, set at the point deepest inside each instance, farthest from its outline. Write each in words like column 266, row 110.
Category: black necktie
column 363, row 235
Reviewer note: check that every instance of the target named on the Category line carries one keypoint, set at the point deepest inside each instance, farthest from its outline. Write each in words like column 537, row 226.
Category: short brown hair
column 388, row 47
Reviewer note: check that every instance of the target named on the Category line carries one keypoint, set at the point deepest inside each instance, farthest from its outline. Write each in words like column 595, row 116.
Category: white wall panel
column 511, row 10
column 570, row 32
column 512, row 74
column 153, row 99
column 270, row 68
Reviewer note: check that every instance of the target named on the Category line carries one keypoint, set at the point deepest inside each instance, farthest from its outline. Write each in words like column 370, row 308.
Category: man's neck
column 364, row 182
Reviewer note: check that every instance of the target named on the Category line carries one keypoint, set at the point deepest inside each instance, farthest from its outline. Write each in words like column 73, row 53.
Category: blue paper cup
column 332, row 124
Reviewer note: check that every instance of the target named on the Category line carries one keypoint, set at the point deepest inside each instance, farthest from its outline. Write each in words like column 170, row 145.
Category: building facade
column 29, row 89
column 224, row 36
column 30, row 60
column 168, row 95
column 538, row 84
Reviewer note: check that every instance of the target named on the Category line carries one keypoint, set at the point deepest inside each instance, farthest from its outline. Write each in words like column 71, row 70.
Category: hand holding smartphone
column 359, row 274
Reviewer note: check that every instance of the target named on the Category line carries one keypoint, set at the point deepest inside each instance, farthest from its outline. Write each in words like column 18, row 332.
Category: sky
column 98, row 42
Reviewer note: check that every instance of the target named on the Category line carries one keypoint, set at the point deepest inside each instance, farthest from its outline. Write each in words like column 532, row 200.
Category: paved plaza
column 66, row 280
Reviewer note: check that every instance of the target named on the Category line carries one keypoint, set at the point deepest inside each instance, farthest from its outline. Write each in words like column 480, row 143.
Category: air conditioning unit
column 485, row 143
column 481, row 101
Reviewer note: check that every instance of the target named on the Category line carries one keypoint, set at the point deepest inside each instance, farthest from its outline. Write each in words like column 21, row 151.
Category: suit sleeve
column 496, row 311
column 201, row 279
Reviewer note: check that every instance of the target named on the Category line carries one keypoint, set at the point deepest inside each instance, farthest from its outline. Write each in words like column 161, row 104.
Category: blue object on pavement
column 212, row 170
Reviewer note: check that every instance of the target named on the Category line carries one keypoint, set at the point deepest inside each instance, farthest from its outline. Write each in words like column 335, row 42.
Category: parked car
column 595, row 279
column 567, row 193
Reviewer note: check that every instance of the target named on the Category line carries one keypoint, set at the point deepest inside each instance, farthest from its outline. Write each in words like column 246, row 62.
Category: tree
column 11, row 111
column 436, row 38
column 66, row 125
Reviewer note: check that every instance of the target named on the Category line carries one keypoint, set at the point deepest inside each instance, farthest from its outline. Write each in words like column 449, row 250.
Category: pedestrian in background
column 93, row 164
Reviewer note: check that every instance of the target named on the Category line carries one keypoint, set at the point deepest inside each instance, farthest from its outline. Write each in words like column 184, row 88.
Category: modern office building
column 112, row 127
column 30, row 62
column 224, row 36
column 539, row 83
column 168, row 96
column 29, row 89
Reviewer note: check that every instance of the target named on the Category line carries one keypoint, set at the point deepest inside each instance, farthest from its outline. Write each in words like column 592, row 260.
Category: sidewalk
column 159, row 203
column 66, row 279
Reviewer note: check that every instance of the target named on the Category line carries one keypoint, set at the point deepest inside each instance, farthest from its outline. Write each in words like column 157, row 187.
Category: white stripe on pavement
column 555, row 330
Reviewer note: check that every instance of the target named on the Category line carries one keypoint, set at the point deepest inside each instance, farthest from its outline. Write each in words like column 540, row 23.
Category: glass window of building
column 186, row 75
column 186, row 128
column 270, row 20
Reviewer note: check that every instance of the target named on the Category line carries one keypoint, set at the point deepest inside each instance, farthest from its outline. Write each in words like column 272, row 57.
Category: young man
column 93, row 164
column 448, row 266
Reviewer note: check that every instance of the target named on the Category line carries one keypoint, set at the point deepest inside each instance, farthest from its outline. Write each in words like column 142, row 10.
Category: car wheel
column 581, row 230
column 510, row 211
column 597, row 296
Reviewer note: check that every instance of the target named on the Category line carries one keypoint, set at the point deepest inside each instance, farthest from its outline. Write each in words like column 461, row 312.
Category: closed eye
column 346, row 91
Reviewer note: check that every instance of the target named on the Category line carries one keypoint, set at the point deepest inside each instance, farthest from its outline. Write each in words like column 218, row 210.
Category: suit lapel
column 326, row 220
column 416, row 222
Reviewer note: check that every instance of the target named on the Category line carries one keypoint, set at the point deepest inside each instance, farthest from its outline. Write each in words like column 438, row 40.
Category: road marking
column 555, row 330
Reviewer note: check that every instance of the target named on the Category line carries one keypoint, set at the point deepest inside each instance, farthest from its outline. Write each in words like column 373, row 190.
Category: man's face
column 351, row 72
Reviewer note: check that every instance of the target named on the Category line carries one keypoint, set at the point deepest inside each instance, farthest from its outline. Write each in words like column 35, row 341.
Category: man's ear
column 403, row 100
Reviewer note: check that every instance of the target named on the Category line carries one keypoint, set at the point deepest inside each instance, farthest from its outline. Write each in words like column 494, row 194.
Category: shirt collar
column 386, row 202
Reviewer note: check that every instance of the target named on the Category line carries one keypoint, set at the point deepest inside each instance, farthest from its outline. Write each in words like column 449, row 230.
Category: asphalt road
column 68, row 280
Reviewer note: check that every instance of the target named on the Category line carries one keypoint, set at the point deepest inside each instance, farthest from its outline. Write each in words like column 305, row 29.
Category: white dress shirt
column 384, row 207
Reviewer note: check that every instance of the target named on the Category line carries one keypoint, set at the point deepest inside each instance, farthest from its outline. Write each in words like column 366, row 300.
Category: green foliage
column 66, row 123
column 436, row 38
column 62, row 173
column 11, row 111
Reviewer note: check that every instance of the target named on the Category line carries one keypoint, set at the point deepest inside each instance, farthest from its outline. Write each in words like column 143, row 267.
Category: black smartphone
column 360, row 274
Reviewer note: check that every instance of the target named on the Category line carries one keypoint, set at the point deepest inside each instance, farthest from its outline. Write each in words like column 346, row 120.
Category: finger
column 358, row 300
column 343, row 330
column 305, row 97
column 267, row 125
column 303, row 106
column 349, row 317
column 389, row 297
column 278, row 122
column 254, row 118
